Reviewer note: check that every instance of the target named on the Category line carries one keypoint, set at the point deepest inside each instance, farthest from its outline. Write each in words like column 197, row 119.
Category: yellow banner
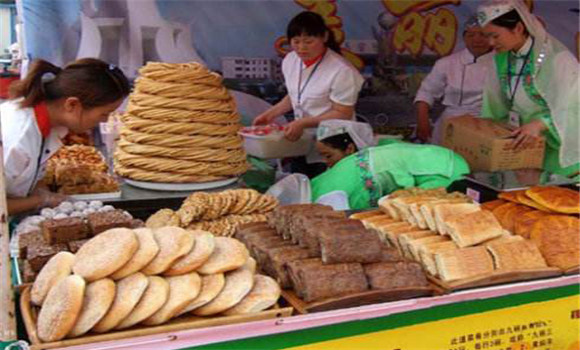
column 550, row 325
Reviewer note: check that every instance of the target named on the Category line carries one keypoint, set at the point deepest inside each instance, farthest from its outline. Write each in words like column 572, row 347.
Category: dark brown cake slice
column 345, row 245
column 26, row 239
column 103, row 221
column 401, row 274
column 64, row 230
column 326, row 281
column 39, row 254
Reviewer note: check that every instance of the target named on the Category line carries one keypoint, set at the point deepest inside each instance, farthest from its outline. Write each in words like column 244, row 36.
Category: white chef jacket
column 22, row 142
column 334, row 80
column 458, row 79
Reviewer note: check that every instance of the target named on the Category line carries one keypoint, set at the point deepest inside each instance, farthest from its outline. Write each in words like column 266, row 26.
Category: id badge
column 514, row 119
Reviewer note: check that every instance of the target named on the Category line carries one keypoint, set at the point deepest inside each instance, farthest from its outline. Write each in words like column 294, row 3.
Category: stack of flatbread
column 219, row 213
column 122, row 278
column 181, row 126
column 452, row 237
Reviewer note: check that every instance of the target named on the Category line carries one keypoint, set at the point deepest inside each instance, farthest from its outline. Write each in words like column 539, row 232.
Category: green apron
column 374, row 172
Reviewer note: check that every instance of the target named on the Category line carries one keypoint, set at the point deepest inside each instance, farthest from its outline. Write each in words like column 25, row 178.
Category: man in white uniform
column 458, row 79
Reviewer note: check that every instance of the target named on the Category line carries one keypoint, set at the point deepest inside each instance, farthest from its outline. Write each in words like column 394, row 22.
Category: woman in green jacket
column 360, row 174
column 534, row 82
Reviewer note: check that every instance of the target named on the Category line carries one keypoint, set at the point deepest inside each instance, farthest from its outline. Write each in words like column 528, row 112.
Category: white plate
column 160, row 186
column 96, row 196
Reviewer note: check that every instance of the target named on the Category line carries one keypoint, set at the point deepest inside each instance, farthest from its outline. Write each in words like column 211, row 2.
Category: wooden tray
column 572, row 271
column 497, row 278
column 29, row 314
column 353, row 300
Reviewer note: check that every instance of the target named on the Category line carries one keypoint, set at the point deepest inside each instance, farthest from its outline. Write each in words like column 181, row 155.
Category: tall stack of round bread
column 122, row 278
column 181, row 126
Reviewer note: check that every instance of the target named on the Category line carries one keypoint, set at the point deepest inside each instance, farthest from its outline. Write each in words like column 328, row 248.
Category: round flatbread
column 106, row 253
column 211, row 286
column 147, row 251
column 229, row 254
column 173, row 242
column 154, row 298
column 162, row 218
column 524, row 199
column 523, row 223
column 61, row 309
column 510, row 196
column 559, row 199
column 238, row 285
column 55, row 270
column 263, row 295
column 129, row 291
column 182, row 291
column 202, row 249
column 99, row 296
column 558, row 237
column 491, row 205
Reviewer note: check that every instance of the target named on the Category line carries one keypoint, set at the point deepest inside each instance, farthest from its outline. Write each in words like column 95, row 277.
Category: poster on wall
column 393, row 42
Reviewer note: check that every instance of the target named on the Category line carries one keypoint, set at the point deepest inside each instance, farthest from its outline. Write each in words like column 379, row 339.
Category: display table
column 516, row 316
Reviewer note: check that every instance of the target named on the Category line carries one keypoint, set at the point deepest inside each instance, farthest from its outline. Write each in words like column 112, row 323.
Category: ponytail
column 31, row 88
column 94, row 82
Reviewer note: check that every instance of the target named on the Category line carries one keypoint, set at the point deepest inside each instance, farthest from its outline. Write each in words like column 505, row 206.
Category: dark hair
column 340, row 141
column 510, row 20
column 94, row 82
column 311, row 23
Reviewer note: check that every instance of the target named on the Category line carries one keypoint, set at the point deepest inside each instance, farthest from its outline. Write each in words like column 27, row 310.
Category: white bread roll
column 56, row 269
column 147, row 251
column 202, row 249
column 229, row 254
column 105, row 253
column 129, row 291
column 154, row 298
column 99, row 296
column 61, row 309
column 263, row 295
column 174, row 242
column 182, row 290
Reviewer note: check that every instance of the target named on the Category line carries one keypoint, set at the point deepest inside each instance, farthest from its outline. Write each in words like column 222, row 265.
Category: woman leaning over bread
column 535, row 79
column 43, row 106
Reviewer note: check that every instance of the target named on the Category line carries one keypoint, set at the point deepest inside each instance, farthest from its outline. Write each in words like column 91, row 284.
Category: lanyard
column 513, row 92
column 300, row 91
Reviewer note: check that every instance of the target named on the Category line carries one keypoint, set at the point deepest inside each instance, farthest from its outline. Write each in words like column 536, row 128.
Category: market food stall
column 160, row 245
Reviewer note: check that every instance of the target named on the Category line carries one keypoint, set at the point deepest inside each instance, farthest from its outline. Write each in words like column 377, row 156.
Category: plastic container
column 274, row 145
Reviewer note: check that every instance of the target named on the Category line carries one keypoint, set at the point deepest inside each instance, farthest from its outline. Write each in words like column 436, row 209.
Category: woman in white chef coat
column 47, row 103
column 458, row 80
column 321, row 83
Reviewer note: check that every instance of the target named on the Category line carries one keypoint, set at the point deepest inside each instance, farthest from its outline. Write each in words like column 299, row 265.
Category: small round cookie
column 197, row 256
column 211, row 286
column 154, row 298
column 263, row 295
column 99, row 296
column 238, row 285
column 104, row 254
column 182, row 291
column 55, row 270
column 229, row 254
column 60, row 309
column 173, row 242
column 146, row 252
column 160, row 219
column 129, row 291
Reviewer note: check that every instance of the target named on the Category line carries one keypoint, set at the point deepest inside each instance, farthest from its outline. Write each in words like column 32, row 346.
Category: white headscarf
column 360, row 133
column 555, row 76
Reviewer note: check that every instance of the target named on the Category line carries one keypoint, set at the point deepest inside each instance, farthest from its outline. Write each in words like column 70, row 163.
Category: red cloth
column 42, row 119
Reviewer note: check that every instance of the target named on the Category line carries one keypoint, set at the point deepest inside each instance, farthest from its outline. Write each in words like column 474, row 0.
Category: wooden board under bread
column 572, row 271
column 30, row 314
column 353, row 300
column 496, row 278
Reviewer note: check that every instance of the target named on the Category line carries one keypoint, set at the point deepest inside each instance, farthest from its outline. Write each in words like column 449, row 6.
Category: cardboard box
column 485, row 145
